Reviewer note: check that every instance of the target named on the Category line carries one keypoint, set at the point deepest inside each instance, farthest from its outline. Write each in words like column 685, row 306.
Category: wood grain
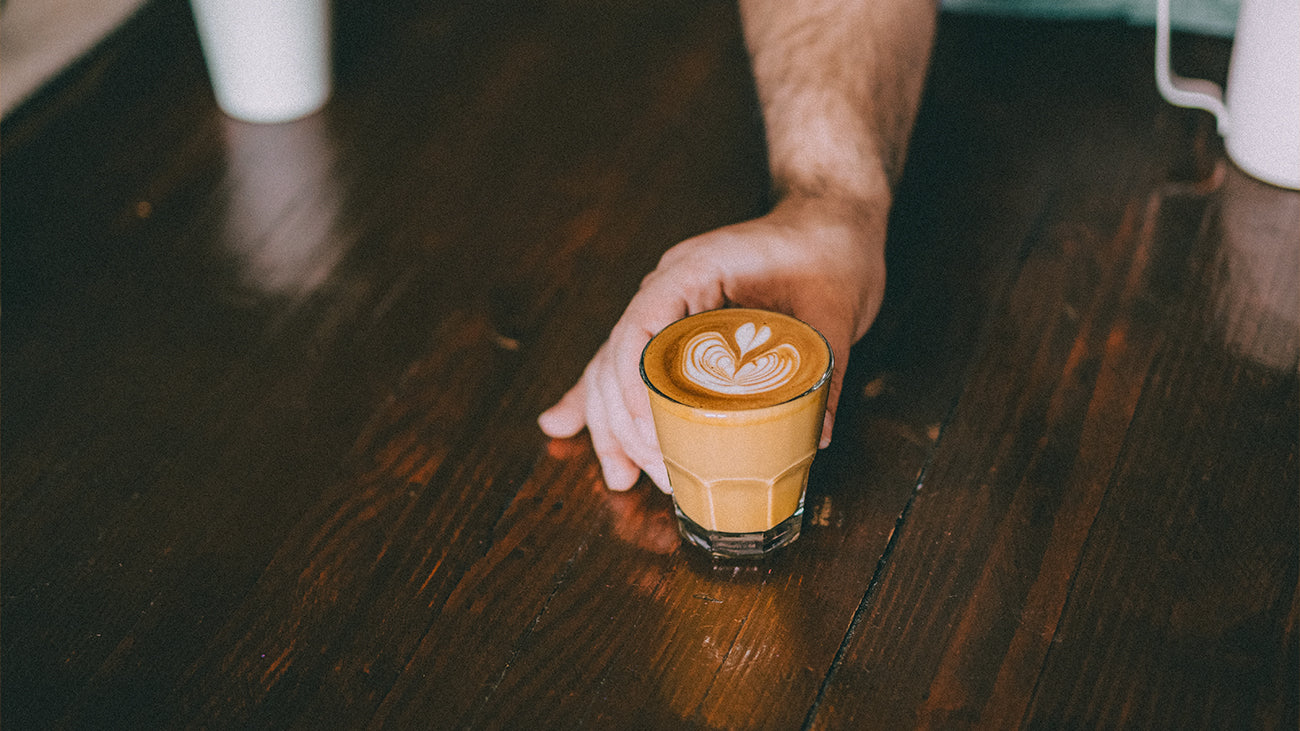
column 270, row 457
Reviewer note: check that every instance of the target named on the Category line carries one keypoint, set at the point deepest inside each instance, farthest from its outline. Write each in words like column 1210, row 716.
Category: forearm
column 839, row 84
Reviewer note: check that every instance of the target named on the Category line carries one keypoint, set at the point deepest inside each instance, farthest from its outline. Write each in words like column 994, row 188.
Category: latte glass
column 738, row 398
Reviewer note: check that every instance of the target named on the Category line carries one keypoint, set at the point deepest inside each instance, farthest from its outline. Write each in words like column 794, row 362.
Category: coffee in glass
column 738, row 398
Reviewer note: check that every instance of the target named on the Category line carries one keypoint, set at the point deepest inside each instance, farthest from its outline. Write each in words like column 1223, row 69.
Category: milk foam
column 711, row 363
column 735, row 359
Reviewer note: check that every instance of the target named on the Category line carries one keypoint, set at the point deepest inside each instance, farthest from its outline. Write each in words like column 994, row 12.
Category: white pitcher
column 268, row 60
column 1260, row 117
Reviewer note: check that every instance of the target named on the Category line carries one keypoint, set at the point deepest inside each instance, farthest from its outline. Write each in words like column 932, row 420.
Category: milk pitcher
column 1259, row 111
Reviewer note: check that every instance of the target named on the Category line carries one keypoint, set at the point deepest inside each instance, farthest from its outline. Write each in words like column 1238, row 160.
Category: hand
column 821, row 260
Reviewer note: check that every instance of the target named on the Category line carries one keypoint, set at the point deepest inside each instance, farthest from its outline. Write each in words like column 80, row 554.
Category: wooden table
column 270, row 457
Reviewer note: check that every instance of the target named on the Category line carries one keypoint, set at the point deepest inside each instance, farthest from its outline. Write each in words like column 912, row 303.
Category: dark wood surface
column 269, row 449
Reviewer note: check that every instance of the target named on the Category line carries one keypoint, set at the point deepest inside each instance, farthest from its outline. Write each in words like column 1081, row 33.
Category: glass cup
column 738, row 398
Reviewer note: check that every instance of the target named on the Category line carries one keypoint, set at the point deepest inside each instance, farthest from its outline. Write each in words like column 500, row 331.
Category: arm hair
column 839, row 82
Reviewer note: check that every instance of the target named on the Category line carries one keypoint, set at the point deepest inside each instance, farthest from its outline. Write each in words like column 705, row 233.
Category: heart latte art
column 735, row 358
column 710, row 362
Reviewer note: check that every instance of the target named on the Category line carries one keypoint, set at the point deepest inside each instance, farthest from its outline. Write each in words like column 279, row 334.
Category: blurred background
column 39, row 38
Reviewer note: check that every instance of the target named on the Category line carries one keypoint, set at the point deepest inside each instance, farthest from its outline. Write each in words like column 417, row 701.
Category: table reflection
column 283, row 204
column 1257, row 283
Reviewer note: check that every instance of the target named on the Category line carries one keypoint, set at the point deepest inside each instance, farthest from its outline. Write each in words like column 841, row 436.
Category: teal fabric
column 1209, row 17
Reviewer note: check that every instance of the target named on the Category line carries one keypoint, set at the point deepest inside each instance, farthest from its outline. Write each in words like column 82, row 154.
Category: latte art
column 735, row 358
column 710, row 362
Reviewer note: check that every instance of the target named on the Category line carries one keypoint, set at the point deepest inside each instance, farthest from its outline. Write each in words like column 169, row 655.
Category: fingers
column 653, row 308
column 840, row 349
column 615, row 411
column 585, row 405
column 659, row 475
column 568, row 416
column 832, row 402
column 627, row 404
column 619, row 471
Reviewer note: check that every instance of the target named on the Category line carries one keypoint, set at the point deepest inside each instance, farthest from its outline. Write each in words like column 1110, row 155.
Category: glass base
column 740, row 545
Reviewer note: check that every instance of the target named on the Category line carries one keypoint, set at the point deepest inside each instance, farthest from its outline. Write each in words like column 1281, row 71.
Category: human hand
column 821, row 260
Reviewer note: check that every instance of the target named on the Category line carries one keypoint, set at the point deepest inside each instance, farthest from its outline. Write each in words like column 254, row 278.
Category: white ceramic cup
column 1259, row 115
column 268, row 60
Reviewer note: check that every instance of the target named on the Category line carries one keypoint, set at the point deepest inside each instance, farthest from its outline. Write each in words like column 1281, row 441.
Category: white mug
column 1259, row 116
column 268, row 60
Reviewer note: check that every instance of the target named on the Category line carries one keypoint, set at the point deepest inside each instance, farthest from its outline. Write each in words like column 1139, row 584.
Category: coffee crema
column 735, row 359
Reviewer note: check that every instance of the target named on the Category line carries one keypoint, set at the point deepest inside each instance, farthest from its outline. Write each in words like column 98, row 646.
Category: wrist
column 833, row 164
column 864, row 214
column 842, row 240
